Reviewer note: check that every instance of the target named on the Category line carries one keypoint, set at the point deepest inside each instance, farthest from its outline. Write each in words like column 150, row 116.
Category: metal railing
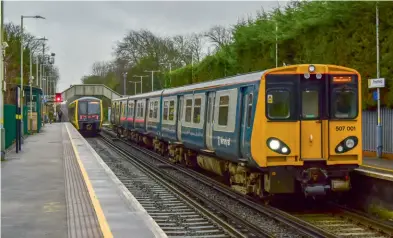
column 370, row 127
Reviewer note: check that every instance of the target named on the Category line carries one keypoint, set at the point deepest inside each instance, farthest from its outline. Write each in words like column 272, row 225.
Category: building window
column 223, row 111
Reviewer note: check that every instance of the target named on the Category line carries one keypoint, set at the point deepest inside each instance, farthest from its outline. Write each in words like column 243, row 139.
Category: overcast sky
column 81, row 33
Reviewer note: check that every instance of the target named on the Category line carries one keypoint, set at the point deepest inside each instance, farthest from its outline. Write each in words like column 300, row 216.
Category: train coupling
column 314, row 182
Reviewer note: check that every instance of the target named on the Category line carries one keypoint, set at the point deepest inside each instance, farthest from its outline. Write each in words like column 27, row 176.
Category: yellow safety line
column 106, row 231
column 378, row 168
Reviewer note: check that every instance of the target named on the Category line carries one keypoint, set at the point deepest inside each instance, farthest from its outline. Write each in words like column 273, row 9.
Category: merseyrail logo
column 223, row 141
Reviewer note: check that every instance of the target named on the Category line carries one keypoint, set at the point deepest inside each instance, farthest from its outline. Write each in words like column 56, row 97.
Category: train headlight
column 274, row 144
column 311, row 68
column 278, row 146
column 350, row 143
column 347, row 144
column 319, row 76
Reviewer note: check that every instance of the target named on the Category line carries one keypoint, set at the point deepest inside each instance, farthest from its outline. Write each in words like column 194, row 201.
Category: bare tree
column 219, row 35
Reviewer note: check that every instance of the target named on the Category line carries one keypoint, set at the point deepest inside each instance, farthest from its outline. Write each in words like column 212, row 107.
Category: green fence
column 10, row 123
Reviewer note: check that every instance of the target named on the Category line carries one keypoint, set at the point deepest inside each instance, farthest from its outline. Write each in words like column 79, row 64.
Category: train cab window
column 310, row 104
column 278, row 104
column 344, row 104
column 166, row 108
column 197, row 111
column 188, row 110
column 93, row 108
column 249, row 110
column 82, row 107
column 171, row 110
column 223, row 111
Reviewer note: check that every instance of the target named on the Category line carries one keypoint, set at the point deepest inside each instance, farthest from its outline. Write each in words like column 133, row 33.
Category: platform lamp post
column 379, row 124
column 124, row 83
column 21, row 69
column 3, row 46
column 52, row 62
column 135, row 76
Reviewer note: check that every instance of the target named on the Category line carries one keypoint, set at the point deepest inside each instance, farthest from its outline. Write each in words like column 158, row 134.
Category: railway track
column 177, row 214
column 267, row 227
column 343, row 222
column 337, row 222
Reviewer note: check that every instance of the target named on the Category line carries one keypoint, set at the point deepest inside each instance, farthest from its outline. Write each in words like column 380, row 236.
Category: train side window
column 197, row 110
column 188, row 110
column 156, row 109
column 223, row 111
column 166, row 108
column 278, row 104
column 132, row 109
column 171, row 110
column 142, row 109
column 249, row 110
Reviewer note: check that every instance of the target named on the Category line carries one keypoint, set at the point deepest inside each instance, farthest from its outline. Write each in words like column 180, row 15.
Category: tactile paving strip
column 81, row 217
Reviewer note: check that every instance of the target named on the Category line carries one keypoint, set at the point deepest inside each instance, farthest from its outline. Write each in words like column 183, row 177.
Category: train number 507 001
column 345, row 128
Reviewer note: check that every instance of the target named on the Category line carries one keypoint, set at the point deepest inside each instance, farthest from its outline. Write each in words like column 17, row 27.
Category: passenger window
column 171, row 110
column 151, row 110
column 310, row 104
column 197, row 111
column 345, row 104
column 223, row 111
column 278, row 104
column 188, row 110
column 142, row 109
column 249, row 110
column 156, row 109
column 165, row 117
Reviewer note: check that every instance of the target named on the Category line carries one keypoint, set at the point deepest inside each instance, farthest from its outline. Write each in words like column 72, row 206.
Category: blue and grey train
column 268, row 132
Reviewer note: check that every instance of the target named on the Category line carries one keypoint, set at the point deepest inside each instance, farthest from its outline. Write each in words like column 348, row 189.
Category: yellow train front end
column 307, row 132
column 86, row 114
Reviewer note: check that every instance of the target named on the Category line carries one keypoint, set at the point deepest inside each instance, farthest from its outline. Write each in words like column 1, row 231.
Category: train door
column 246, row 121
column 179, row 116
column 210, row 121
column 311, row 144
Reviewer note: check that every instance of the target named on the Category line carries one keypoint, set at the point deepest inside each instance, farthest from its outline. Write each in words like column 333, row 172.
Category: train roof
column 85, row 98
column 237, row 79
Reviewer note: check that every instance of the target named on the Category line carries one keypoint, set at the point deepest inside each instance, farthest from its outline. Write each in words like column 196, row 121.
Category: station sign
column 376, row 83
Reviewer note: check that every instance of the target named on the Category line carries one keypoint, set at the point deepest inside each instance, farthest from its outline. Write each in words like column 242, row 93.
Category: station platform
column 58, row 186
column 377, row 168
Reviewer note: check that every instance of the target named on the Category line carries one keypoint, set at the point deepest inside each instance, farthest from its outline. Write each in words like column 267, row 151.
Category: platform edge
column 105, row 229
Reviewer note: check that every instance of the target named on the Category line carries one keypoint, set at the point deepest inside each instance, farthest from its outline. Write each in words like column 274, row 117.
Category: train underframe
column 313, row 179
